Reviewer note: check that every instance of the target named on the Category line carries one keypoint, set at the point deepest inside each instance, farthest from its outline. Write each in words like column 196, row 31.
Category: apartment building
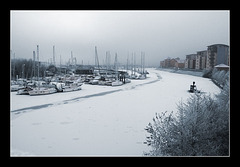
column 201, row 60
column 190, row 61
column 217, row 54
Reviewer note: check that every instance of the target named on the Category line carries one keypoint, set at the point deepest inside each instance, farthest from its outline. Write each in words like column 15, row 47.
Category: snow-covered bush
column 207, row 73
column 200, row 128
column 220, row 77
column 163, row 132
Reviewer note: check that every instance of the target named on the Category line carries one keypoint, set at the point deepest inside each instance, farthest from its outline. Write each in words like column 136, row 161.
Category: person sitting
column 193, row 87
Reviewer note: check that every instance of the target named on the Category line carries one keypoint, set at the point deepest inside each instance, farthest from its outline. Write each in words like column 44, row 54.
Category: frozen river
column 97, row 120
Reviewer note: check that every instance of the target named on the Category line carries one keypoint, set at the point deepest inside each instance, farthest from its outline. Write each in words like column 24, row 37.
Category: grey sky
column 160, row 34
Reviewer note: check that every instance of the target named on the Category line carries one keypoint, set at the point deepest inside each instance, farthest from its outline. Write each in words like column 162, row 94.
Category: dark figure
column 193, row 84
column 193, row 87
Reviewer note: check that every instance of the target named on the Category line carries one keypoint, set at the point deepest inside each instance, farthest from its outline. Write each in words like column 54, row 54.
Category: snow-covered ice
column 97, row 120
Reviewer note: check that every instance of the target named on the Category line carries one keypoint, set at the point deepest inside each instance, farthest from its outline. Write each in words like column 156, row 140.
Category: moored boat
column 71, row 86
column 117, row 83
column 127, row 80
column 24, row 91
column 16, row 87
column 42, row 91
column 142, row 76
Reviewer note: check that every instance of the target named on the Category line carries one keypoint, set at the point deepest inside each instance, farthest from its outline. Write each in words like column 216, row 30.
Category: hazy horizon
column 160, row 34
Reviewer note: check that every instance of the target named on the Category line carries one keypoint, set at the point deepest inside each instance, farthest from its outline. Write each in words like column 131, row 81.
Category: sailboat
column 45, row 89
column 16, row 86
column 68, row 85
column 142, row 75
column 71, row 86
column 117, row 82
column 42, row 91
column 28, row 86
column 133, row 68
column 24, row 91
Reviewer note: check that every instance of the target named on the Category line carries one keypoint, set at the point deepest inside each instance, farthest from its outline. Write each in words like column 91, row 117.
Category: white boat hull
column 141, row 77
column 72, row 87
column 24, row 91
column 16, row 87
column 127, row 80
column 69, row 89
column 42, row 91
column 117, row 83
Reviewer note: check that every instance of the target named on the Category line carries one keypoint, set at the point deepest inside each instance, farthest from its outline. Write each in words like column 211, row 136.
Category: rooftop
column 221, row 66
column 218, row 45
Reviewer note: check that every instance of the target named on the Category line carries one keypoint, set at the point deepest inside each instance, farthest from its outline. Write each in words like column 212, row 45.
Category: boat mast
column 38, row 66
column 127, row 61
column 60, row 65
column 116, row 67
column 71, row 62
column 96, row 59
column 106, row 61
column 33, row 66
column 134, row 63
column 143, row 62
column 14, row 66
column 54, row 55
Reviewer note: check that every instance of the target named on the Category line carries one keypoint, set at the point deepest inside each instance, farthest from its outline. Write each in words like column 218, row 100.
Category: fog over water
column 160, row 34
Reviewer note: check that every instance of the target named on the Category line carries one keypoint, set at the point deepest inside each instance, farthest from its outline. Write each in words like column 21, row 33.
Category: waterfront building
column 172, row 63
column 190, row 61
column 217, row 54
column 201, row 60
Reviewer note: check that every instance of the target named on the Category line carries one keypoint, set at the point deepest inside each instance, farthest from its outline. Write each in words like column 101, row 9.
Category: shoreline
column 181, row 71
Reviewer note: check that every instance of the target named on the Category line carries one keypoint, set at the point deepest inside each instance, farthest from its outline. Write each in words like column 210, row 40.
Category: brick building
column 172, row 63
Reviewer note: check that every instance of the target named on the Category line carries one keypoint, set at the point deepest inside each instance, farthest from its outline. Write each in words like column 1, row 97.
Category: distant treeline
column 27, row 69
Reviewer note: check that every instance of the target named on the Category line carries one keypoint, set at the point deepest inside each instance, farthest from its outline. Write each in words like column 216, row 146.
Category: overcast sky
column 160, row 34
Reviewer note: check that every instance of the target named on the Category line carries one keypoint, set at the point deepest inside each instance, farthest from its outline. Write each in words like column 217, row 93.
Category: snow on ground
column 97, row 120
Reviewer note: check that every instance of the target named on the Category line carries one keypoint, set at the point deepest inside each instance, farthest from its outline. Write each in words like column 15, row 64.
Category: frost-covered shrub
column 200, row 128
column 207, row 73
column 163, row 132
column 220, row 77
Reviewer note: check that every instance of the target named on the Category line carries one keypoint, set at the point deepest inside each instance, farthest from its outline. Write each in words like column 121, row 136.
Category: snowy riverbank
column 198, row 73
column 97, row 120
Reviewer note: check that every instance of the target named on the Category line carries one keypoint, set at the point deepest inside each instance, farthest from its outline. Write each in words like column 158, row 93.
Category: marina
column 72, row 76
